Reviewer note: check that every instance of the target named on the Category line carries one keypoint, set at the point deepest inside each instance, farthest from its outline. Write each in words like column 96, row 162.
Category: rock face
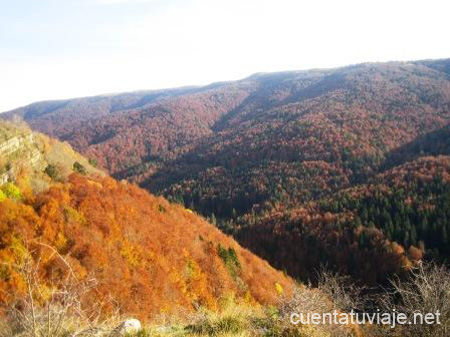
column 14, row 144
column 4, row 178
column 31, row 156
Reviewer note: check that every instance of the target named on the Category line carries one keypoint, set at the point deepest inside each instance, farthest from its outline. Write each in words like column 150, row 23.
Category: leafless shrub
column 343, row 292
column 51, row 309
column 312, row 300
column 427, row 290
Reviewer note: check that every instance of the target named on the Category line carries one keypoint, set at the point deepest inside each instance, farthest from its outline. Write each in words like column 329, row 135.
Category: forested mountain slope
column 147, row 255
column 354, row 112
column 369, row 230
column 264, row 154
column 324, row 141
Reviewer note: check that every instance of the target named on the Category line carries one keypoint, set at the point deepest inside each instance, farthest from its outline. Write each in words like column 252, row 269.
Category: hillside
column 131, row 133
column 147, row 256
column 325, row 141
column 268, row 158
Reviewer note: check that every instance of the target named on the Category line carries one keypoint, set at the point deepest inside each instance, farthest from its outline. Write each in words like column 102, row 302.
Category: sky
column 55, row 49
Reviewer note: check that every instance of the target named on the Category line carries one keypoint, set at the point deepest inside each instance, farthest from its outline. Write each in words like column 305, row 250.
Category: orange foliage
column 149, row 255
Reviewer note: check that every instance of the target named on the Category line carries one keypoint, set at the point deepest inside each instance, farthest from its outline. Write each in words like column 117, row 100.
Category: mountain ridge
column 271, row 144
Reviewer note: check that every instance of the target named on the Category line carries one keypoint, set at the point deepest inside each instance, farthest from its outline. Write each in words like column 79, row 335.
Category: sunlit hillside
column 148, row 256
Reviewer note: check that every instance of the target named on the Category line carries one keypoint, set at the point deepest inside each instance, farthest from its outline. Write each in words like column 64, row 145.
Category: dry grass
column 426, row 289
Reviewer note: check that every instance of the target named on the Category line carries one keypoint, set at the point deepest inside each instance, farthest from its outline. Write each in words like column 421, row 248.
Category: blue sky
column 52, row 49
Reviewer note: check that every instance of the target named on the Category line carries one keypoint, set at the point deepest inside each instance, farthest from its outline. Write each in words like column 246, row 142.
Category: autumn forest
column 175, row 199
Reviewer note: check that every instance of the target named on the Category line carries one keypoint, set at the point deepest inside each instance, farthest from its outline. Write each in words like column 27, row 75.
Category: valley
column 222, row 206
column 250, row 153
